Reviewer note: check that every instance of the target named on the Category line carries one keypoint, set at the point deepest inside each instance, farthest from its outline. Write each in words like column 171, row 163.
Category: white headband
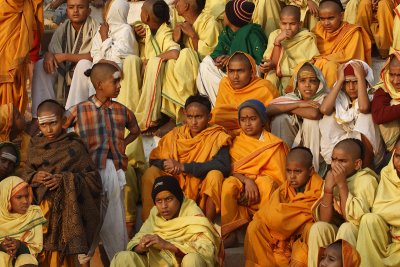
column 49, row 118
column 9, row 156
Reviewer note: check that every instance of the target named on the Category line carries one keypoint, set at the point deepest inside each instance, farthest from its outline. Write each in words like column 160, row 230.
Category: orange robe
column 346, row 43
column 263, row 161
column 279, row 231
column 19, row 19
column 179, row 145
column 229, row 99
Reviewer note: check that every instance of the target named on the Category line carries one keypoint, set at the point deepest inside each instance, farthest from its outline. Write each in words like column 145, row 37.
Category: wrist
column 277, row 43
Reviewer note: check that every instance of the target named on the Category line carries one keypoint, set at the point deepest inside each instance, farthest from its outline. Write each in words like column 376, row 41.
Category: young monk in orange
column 240, row 85
column 339, row 254
column 338, row 42
column 258, row 168
column 278, row 234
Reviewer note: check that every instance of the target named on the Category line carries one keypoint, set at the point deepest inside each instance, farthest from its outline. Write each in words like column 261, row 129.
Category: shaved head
column 158, row 10
column 301, row 155
column 334, row 5
column 240, row 57
column 353, row 147
column 100, row 72
column 291, row 11
column 51, row 106
column 306, row 67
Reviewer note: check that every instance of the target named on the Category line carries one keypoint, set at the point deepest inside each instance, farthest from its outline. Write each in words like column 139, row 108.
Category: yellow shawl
column 160, row 42
column 253, row 158
column 387, row 199
column 229, row 99
column 384, row 82
column 15, row 225
column 340, row 46
column 190, row 232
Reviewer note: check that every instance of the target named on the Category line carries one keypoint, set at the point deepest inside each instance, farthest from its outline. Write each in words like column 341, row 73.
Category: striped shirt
column 101, row 127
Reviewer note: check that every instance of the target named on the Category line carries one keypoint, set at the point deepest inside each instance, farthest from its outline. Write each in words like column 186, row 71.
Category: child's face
column 78, row 10
column 394, row 75
column 20, row 201
column 307, row 83
column 111, row 86
column 250, row 122
column 396, row 159
column 343, row 158
column 331, row 258
column 51, row 128
column 350, row 86
column 167, row 205
column 290, row 25
column 239, row 74
column 197, row 118
column 19, row 121
column 297, row 174
column 6, row 165
column 330, row 19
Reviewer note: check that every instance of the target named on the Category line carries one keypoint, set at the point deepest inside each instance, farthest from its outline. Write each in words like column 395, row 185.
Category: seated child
column 67, row 187
column 257, row 170
column 347, row 113
column 239, row 34
column 144, row 83
column 287, row 47
column 114, row 41
column 338, row 41
column 9, row 159
column 240, row 85
column 296, row 115
column 349, row 193
column 12, row 125
column 278, row 234
column 196, row 154
column 378, row 238
column 176, row 232
column 101, row 123
column 70, row 43
column 21, row 237
column 339, row 254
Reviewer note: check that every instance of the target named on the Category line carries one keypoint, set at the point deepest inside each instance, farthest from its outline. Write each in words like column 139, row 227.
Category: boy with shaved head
column 287, row 47
column 385, row 106
column 338, row 41
column 67, row 187
column 278, row 234
column 376, row 246
column 71, row 42
column 349, row 193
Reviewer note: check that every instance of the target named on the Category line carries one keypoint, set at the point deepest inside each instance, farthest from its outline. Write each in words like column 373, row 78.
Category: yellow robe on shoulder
column 396, row 30
column 346, row 43
column 191, row 232
column 261, row 160
column 299, row 49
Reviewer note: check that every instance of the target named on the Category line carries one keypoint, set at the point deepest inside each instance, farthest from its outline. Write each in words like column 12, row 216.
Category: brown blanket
column 74, row 219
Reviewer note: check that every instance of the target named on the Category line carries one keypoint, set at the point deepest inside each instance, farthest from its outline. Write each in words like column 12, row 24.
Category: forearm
column 328, row 105
column 76, row 57
column 308, row 113
column 364, row 106
column 326, row 207
column 344, row 194
column 277, row 109
column 171, row 54
column 276, row 52
column 195, row 42
column 131, row 137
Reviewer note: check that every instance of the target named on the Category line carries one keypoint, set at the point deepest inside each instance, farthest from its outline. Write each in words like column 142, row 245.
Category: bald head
column 158, row 10
column 332, row 5
column 101, row 72
column 291, row 11
column 353, row 147
column 240, row 57
column 51, row 106
column 302, row 155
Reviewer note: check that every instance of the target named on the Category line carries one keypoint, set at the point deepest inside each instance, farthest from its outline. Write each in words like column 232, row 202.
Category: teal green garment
column 250, row 39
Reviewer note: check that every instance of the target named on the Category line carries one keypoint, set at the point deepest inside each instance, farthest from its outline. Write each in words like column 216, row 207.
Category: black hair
column 201, row 99
column 200, row 5
column 309, row 160
column 355, row 141
column 59, row 109
column 15, row 148
column 161, row 11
